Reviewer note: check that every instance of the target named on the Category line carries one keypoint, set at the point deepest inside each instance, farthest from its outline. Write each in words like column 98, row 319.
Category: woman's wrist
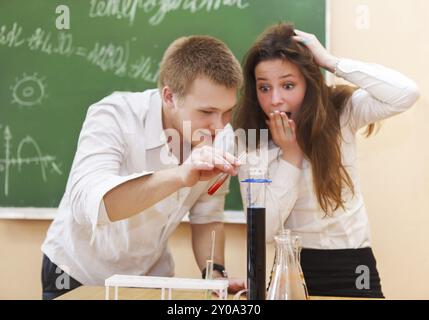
column 331, row 63
column 294, row 159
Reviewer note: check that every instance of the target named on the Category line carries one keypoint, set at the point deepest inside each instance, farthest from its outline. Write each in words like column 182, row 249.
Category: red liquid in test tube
column 215, row 186
column 222, row 178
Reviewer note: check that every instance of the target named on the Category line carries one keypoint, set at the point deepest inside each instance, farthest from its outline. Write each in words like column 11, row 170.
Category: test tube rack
column 165, row 284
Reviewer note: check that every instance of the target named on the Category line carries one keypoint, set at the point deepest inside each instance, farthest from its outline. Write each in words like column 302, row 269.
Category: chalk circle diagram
column 29, row 90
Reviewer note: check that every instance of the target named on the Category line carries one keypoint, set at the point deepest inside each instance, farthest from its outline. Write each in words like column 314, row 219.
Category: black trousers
column 55, row 282
column 341, row 273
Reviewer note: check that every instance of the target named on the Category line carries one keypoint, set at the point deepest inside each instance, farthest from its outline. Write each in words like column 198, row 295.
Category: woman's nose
column 276, row 98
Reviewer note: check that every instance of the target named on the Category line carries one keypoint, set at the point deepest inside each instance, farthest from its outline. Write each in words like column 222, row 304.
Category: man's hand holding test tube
column 205, row 163
column 222, row 178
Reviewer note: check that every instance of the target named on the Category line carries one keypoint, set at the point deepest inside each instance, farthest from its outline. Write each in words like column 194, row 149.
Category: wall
column 393, row 165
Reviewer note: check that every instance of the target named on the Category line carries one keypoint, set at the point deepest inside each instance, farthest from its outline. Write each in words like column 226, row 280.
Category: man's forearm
column 134, row 196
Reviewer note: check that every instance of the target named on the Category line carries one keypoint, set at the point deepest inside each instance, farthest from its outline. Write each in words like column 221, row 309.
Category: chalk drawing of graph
column 16, row 161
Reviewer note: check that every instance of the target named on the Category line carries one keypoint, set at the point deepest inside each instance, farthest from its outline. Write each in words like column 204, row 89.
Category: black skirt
column 341, row 273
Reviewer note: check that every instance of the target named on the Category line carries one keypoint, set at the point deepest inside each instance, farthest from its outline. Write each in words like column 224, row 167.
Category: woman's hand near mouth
column 283, row 133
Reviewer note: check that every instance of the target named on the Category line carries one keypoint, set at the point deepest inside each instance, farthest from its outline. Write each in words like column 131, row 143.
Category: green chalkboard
column 52, row 69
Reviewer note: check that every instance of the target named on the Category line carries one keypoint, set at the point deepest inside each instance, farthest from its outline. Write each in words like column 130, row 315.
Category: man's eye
column 206, row 112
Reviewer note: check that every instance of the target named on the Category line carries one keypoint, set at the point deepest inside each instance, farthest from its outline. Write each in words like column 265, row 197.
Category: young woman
column 312, row 161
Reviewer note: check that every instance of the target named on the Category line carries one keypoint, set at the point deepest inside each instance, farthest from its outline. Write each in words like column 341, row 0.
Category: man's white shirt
column 122, row 139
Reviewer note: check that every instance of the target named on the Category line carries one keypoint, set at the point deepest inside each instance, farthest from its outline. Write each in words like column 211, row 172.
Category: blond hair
column 190, row 57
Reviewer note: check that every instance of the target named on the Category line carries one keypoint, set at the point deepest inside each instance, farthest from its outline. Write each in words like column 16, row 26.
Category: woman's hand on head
column 283, row 133
column 323, row 58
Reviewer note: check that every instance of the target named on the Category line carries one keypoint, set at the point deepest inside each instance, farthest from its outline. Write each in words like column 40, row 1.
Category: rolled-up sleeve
column 382, row 92
column 96, row 167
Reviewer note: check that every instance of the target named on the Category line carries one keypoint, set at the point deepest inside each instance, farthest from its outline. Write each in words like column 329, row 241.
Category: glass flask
column 300, row 293
column 286, row 276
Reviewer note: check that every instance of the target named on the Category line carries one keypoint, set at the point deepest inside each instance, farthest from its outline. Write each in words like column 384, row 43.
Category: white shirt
column 121, row 139
column 382, row 93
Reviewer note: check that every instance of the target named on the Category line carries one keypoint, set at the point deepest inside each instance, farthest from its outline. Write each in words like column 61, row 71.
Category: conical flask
column 280, row 284
column 299, row 291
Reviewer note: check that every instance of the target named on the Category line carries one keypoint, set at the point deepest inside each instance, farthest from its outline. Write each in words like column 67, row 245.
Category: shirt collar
column 153, row 130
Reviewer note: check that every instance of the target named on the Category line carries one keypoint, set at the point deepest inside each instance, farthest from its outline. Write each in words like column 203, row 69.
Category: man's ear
column 167, row 97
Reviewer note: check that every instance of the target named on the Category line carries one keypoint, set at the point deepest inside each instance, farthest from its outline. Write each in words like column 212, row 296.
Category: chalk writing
column 141, row 69
column 127, row 9
column 11, row 38
column 109, row 57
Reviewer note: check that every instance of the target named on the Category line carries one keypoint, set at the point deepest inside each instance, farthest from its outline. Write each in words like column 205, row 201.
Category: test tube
column 209, row 265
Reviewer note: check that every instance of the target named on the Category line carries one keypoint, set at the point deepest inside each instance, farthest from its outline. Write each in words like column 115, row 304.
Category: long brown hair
column 318, row 121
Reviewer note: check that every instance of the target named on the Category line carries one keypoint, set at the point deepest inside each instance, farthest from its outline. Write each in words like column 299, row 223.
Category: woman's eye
column 264, row 88
column 289, row 86
column 206, row 112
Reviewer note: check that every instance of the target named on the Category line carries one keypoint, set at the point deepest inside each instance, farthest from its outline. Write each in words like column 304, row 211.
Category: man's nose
column 217, row 123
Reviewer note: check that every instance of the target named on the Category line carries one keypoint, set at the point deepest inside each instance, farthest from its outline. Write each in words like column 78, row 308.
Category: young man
column 130, row 186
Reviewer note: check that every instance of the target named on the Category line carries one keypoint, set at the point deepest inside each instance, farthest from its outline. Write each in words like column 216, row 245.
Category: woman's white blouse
column 290, row 197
